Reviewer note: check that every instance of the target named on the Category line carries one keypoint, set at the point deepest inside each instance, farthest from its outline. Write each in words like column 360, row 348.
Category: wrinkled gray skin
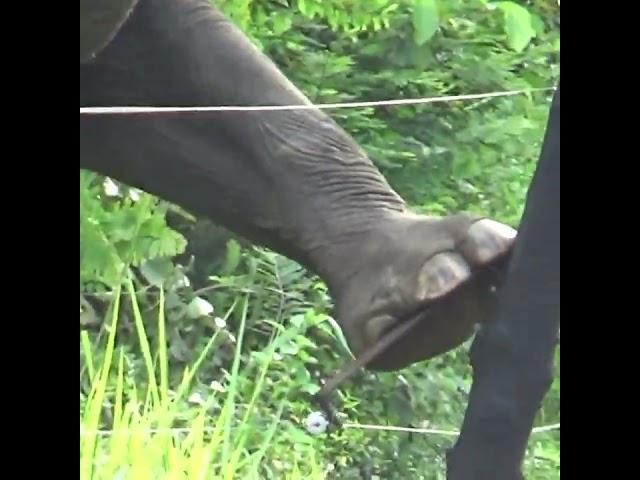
column 293, row 181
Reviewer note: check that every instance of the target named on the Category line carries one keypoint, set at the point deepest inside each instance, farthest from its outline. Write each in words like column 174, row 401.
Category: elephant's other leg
column 513, row 356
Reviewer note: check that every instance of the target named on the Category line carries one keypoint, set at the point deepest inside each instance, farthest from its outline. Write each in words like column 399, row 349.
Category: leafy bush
column 119, row 226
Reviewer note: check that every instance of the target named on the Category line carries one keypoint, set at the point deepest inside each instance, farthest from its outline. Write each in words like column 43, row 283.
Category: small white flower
column 316, row 423
column 183, row 281
column 199, row 307
column 134, row 194
column 196, row 398
column 217, row 386
column 110, row 188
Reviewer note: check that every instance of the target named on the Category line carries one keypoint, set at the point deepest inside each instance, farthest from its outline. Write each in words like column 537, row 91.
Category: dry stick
column 323, row 396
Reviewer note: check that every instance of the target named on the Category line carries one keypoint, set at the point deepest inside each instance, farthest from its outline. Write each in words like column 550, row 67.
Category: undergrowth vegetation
column 199, row 352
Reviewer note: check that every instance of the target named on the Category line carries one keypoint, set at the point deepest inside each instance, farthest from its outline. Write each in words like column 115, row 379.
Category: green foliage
column 443, row 158
column 518, row 25
column 473, row 156
column 425, row 21
column 247, row 377
column 120, row 227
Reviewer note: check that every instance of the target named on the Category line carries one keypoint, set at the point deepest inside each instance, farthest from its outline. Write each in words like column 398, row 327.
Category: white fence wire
column 389, row 428
column 128, row 110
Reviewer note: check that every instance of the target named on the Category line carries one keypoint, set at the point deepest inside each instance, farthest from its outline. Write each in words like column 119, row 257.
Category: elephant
column 291, row 180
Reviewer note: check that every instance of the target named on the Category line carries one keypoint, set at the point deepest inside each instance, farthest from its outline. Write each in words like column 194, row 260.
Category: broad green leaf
column 157, row 270
column 199, row 307
column 289, row 348
column 425, row 20
column 297, row 320
column 302, row 6
column 299, row 437
column 518, row 25
column 281, row 24
column 537, row 24
column 232, row 260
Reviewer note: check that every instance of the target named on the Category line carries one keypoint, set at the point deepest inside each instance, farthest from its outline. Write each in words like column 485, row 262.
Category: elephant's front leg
column 292, row 180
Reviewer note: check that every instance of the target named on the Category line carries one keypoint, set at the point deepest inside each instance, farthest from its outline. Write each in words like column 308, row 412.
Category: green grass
column 142, row 419
column 140, row 443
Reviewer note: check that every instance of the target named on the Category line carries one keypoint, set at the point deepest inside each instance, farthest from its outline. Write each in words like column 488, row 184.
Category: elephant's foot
column 416, row 287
